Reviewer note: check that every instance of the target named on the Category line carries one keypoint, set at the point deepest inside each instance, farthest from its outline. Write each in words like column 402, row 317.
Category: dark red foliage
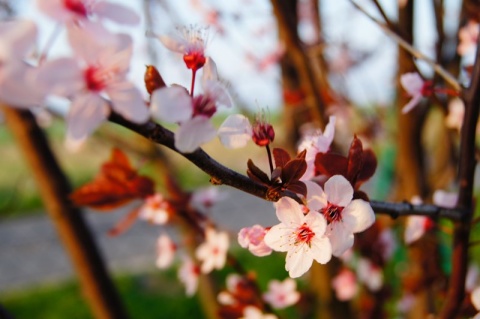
column 116, row 184
column 153, row 79
column 357, row 168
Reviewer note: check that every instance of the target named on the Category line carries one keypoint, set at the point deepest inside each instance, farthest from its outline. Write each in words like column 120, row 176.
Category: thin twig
column 414, row 52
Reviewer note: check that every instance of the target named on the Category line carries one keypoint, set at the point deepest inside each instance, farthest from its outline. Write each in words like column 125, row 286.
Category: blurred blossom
column 371, row 275
column 468, row 37
column 253, row 239
column 456, row 111
column 415, row 228
column 345, row 285
column 251, row 312
column 204, row 198
column 188, row 274
column 166, row 249
column 282, row 294
column 213, row 251
column 155, row 209
column 416, row 88
column 445, row 199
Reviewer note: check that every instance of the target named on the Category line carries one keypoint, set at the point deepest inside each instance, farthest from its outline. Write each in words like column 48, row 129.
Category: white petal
column 128, row 101
column 86, row 113
column 338, row 190
column 278, row 237
column 340, row 238
column 53, row 78
column 412, row 83
column 475, row 298
column 411, row 104
column 17, row 88
column 173, row 43
column 289, row 212
column 209, row 70
column 116, row 12
column 235, row 131
column 172, row 104
column 315, row 196
column 193, row 133
column 316, row 222
column 321, row 249
column 358, row 215
column 218, row 92
column 445, row 199
column 298, row 261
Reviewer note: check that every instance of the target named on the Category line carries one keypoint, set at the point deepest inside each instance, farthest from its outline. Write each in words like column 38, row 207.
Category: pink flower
column 99, row 70
column 236, row 131
column 445, row 199
column 316, row 142
column 471, row 278
column 345, row 284
column 88, row 14
column 253, row 239
column 456, row 111
column 301, row 236
column 213, row 252
column 415, row 227
column 468, row 36
column 166, row 249
column 228, row 297
column 17, row 88
column 282, row 294
column 173, row 104
column 370, row 274
column 252, row 312
column 156, row 209
column 188, row 274
column 191, row 42
column 345, row 216
column 416, row 88
column 203, row 199
column 475, row 299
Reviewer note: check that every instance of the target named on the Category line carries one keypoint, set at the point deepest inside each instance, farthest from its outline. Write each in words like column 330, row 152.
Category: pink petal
column 316, row 222
column 209, row 71
column 116, row 12
column 52, row 78
column 411, row 104
column 56, row 9
column 298, row 261
column 412, row 83
column 277, row 237
column 321, row 249
column 414, row 229
column 193, row 133
column 218, row 92
column 358, row 215
column 235, row 131
column 445, row 199
column 289, row 212
column 86, row 113
column 19, row 36
column 338, row 190
column 17, row 88
column 340, row 238
column 128, row 101
column 315, row 196
column 475, row 298
column 173, row 43
column 172, row 104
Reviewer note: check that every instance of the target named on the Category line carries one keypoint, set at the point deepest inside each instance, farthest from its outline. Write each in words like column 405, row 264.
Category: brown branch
column 396, row 210
column 69, row 222
column 456, row 291
column 389, row 22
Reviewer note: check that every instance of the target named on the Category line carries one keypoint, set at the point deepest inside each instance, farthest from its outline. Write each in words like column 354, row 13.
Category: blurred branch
column 389, row 22
column 466, row 173
column 414, row 52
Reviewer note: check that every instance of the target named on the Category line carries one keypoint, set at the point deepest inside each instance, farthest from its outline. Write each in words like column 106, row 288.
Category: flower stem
column 269, row 157
column 194, row 73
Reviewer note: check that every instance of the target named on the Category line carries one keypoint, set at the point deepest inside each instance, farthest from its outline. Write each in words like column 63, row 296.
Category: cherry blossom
column 282, row 294
column 188, row 274
column 227, row 297
column 204, row 198
column 252, row 312
column 415, row 228
column 445, row 199
column 165, row 251
column 88, row 14
column 301, row 236
column 236, row 131
column 155, row 209
column 468, row 36
column 253, row 239
column 98, row 70
column 475, row 299
column 213, row 252
column 190, row 41
column 416, row 88
column 17, row 87
column 174, row 104
column 370, row 274
column 316, row 142
column 345, row 216
column 456, row 111
column 345, row 284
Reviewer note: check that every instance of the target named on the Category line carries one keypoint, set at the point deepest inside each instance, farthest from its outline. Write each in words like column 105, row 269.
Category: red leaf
column 302, row 154
column 116, row 184
column 298, row 187
column 256, row 174
column 294, row 170
column 369, row 166
column 330, row 164
column 281, row 157
column 355, row 160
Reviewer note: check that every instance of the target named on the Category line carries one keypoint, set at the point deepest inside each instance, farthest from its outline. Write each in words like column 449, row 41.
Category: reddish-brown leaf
column 116, row 184
column 153, row 79
column 298, row 187
column 294, row 170
column 125, row 223
column 369, row 166
column 256, row 174
column 302, row 154
column 355, row 160
column 330, row 164
column 281, row 157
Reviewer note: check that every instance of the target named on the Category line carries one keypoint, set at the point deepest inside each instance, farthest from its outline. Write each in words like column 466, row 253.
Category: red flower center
column 204, row 105
column 194, row 60
column 95, row 79
column 263, row 133
column 332, row 212
column 304, row 234
column 76, row 6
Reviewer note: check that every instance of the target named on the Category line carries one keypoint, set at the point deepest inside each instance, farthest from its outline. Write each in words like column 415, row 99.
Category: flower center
column 263, row 133
column 332, row 213
column 97, row 78
column 304, row 235
column 194, row 60
column 76, row 6
column 203, row 105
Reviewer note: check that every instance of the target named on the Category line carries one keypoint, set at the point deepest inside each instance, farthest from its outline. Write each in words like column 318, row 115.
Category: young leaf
column 256, row 174
column 281, row 157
